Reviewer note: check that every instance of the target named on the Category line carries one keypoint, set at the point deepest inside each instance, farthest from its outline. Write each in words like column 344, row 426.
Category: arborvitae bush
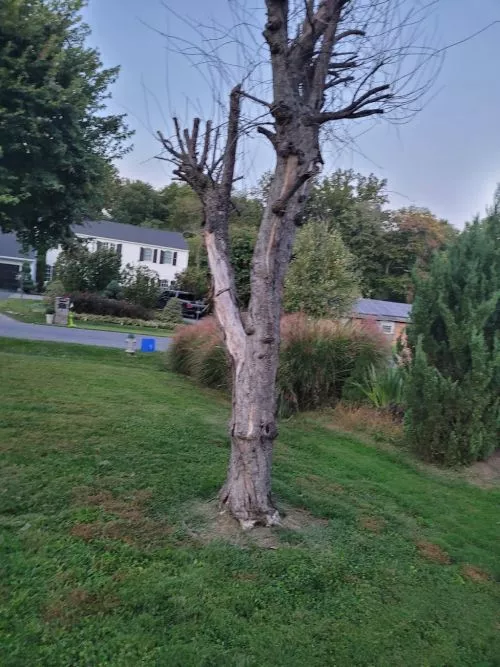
column 453, row 387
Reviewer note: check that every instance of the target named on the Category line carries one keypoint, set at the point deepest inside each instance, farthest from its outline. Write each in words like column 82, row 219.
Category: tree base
column 247, row 511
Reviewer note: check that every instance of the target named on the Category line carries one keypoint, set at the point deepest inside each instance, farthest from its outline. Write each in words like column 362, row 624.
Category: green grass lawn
column 105, row 557
column 24, row 310
column 33, row 312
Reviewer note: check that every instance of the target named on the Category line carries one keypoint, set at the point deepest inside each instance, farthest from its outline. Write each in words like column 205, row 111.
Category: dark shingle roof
column 10, row 247
column 117, row 231
column 389, row 310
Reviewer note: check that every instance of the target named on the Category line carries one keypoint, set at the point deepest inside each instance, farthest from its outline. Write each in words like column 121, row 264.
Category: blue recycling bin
column 148, row 345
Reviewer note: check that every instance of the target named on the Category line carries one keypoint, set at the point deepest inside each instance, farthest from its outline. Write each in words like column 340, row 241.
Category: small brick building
column 391, row 317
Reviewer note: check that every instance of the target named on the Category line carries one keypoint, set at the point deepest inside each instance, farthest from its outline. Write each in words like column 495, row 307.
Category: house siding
column 399, row 327
column 131, row 253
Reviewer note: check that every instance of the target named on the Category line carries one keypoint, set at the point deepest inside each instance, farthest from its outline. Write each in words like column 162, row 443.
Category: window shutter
column 162, row 257
column 119, row 248
column 155, row 256
column 141, row 255
column 174, row 259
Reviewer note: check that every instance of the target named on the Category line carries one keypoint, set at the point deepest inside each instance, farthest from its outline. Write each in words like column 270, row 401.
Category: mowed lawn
column 107, row 557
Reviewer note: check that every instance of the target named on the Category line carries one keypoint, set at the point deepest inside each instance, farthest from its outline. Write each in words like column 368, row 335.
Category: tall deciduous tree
column 55, row 138
column 321, row 280
column 137, row 203
column 330, row 61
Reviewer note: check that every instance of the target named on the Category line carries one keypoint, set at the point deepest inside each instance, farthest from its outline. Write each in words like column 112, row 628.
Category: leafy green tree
column 81, row 270
column 453, row 389
column 185, row 211
column 137, row 203
column 412, row 237
column 353, row 204
column 386, row 244
column 141, row 286
column 321, row 280
column 56, row 140
column 241, row 246
column 195, row 280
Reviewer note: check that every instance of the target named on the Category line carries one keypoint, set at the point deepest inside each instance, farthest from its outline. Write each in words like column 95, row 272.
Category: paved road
column 12, row 329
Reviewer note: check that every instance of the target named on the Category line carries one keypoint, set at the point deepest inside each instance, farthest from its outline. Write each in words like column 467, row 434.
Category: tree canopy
column 386, row 243
column 56, row 139
column 321, row 280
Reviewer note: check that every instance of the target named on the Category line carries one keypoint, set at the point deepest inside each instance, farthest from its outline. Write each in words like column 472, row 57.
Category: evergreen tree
column 453, row 389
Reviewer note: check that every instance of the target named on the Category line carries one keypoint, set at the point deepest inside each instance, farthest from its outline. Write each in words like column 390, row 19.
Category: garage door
column 8, row 276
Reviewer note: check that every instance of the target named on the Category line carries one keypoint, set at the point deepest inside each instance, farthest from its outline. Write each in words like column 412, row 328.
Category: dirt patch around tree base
column 207, row 523
column 486, row 473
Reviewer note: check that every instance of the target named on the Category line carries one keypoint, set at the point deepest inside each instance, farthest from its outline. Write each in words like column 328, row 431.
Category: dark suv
column 191, row 307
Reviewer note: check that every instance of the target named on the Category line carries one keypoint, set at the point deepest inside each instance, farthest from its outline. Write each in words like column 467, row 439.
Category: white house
column 162, row 251
column 12, row 258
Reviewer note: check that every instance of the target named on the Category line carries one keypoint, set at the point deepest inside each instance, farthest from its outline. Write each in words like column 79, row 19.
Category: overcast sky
column 447, row 158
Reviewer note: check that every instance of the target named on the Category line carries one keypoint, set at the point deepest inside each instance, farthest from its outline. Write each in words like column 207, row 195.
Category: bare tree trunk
column 247, row 490
column 324, row 68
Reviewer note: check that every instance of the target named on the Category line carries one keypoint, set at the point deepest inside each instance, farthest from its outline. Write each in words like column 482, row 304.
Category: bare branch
column 255, row 99
column 338, row 81
column 349, row 33
column 206, row 144
column 178, row 134
column 231, row 142
column 267, row 133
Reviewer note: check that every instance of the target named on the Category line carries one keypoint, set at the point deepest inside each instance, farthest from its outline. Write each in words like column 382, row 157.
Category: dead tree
column 324, row 69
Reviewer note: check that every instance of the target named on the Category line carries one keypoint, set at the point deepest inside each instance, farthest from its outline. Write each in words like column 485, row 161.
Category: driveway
column 12, row 329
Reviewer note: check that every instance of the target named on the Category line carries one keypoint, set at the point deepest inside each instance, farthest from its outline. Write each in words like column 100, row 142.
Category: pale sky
column 447, row 158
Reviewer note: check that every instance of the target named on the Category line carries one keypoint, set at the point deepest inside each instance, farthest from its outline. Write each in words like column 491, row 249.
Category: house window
column 48, row 272
column 109, row 246
column 168, row 257
column 146, row 255
column 164, row 283
column 387, row 328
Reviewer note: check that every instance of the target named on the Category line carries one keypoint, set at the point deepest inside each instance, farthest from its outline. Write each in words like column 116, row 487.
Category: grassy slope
column 98, row 572
column 33, row 312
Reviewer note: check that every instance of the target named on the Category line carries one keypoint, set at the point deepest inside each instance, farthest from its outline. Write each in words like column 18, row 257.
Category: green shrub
column 453, row 389
column 53, row 289
column 141, row 286
column 382, row 387
column 114, row 290
column 26, row 281
column 83, row 270
column 172, row 313
column 120, row 321
column 95, row 304
column 316, row 358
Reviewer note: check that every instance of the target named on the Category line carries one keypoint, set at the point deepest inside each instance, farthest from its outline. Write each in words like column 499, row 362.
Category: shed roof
column 390, row 310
